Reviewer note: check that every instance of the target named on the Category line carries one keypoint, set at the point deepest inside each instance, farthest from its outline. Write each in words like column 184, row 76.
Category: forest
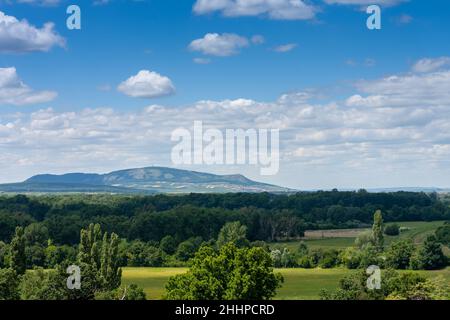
column 268, row 217
column 105, row 233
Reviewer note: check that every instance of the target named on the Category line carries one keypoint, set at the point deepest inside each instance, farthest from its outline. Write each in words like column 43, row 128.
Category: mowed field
column 340, row 239
column 299, row 284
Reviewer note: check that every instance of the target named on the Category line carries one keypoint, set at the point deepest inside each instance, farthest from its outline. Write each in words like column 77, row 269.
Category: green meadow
column 299, row 284
column 416, row 231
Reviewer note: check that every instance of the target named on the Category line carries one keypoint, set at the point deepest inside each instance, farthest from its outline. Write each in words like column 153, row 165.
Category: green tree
column 42, row 285
column 98, row 259
column 443, row 234
column 369, row 255
column 288, row 259
column 350, row 257
column 110, row 271
column 231, row 273
column 364, row 239
column 168, row 244
column 187, row 249
column 377, row 230
column 36, row 233
column 17, row 256
column 399, row 254
column 35, row 256
column 154, row 257
column 302, row 249
column 233, row 232
column 3, row 254
column 9, row 282
column 276, row 258
column 430, row 255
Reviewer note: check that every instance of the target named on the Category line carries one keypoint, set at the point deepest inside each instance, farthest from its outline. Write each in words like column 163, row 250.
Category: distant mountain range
column 153, row 180
column 140, row 181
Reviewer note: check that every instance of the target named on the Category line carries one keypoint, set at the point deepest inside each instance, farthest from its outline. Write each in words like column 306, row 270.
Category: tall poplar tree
column 18, row 259
column 377, row 230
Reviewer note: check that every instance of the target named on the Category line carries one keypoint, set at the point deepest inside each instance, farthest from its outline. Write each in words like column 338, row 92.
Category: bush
column 399, row 254
column 329, row 259
column 370, row 256
column 394, row 286
column 443, row 234
column 131, row 292
column 364, row 239
column 350, row 258
column 392, row 230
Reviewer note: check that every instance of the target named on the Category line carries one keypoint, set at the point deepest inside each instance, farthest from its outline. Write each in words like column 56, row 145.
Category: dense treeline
column 92, row 272
column 267, row 216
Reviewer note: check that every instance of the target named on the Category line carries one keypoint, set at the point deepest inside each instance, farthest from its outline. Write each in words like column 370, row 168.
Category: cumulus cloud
column 429, row 89
column 394, row 130
column 202, row 60
column 404, row 19
column 386, row 3
column 40, row 2
column 14, row 92
column 258, row 39
column 285, row 47
column 222, row 45
column 147, row 84
column 428, row 64
column 279, row 9
column 20, row 36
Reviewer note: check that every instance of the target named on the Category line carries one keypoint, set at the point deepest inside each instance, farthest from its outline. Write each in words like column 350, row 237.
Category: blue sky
column 332, row 56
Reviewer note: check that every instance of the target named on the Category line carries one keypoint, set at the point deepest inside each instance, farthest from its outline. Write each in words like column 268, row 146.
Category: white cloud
column 386, row 3
column 393, row 131
column 258, row 39
column 147, row 84
column 411, row 90
column 20, row 36
column 14, row 92
column 221, row 45
column 285, row 47
column 101, row 2
column 202, row 60
column 428, row 65
column 404, row 19
column 273, row 9
column 40, row 2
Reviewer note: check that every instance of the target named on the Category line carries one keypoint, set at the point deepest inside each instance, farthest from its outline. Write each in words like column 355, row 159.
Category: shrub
column 392, row 230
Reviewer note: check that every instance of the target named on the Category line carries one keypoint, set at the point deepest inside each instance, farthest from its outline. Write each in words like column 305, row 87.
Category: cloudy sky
column 355, row 108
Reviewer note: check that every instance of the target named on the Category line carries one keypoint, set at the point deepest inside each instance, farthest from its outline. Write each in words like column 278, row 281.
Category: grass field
column 299, row 284
column 338, row 239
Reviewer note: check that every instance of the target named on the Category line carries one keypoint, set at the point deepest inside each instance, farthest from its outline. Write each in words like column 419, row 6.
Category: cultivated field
column 340, row 239
column 299, row 284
